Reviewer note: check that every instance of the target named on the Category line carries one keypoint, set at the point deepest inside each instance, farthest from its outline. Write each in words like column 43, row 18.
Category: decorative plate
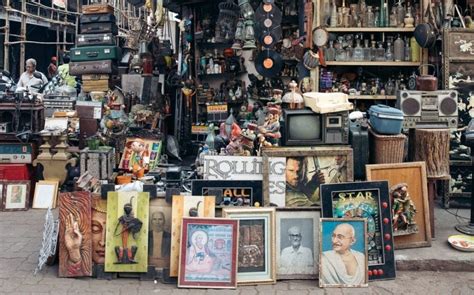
column 462, row 242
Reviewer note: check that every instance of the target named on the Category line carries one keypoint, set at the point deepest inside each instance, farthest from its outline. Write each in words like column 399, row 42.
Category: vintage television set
column 303, row 127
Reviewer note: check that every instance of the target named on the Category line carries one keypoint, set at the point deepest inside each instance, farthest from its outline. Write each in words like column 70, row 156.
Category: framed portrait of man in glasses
column 297, row 243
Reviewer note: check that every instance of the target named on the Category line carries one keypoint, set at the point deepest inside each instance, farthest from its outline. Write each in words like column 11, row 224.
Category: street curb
column 435, row 265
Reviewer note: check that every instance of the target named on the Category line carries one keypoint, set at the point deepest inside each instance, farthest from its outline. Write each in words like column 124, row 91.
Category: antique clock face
column 320, row 36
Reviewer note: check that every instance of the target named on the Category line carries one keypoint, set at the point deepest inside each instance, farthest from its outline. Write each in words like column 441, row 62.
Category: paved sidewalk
column 20, row 240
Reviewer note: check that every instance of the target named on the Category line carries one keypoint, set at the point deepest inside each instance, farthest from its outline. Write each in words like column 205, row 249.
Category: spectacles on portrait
column 295, row 235
column 340, row 237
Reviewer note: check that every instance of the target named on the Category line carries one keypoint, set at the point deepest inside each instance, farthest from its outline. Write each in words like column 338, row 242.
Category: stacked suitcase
column 96, row 56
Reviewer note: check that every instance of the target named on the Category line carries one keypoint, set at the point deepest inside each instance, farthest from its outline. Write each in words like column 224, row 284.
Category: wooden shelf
column 373, row 97
column 374, row 63
column 221, row 75
column 372, row 30
column 216, row 45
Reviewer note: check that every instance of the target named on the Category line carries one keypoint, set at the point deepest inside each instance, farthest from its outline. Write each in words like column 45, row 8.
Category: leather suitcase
column 95, row 39
column 359, row 140
column 95, row 53
column 97, row 8
column 95, row 85
column 97, row 28
column 92, row 67
column 97, row 18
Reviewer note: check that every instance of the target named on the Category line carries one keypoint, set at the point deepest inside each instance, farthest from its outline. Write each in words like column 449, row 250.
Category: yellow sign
column 217, row 108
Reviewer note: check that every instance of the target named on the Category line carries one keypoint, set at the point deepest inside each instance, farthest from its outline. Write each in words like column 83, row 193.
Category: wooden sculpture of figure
column 271, row 128
column 140, row 157
column 403, row 209
column 129, row 224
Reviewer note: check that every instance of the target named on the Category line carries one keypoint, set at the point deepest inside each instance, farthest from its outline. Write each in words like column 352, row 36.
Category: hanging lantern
column 239, row 35
column 249, row 35
column 246, row 9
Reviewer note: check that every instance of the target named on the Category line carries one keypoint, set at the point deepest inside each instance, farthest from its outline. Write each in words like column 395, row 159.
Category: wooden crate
column 99, row 163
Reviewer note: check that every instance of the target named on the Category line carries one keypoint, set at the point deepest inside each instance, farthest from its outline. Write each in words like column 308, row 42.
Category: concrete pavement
column 21, row 234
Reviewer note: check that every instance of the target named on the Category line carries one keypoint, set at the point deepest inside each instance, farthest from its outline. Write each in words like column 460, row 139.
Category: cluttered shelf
column 221, row 75
column 371, row 30
column 374, row 63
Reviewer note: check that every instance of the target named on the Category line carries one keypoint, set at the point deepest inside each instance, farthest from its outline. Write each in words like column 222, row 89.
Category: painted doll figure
column 129, row 224
column 139, row 158
column 403, row 209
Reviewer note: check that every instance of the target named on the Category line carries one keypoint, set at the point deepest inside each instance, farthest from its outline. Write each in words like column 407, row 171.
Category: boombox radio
column 429, row 109
column 16, row 153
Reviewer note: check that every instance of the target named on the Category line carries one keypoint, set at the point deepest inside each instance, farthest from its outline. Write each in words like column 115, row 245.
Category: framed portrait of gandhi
column 343, row 255
column 306, row 169
column 256, row 257
column 297, row 243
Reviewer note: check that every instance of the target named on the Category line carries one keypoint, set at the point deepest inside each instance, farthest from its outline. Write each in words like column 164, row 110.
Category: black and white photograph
column 297, row 244
column 159, row 237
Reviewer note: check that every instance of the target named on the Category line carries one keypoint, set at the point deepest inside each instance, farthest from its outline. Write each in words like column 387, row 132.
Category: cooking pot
column 426, row 82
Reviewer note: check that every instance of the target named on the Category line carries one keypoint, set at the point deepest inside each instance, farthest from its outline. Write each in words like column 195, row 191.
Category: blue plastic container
column 385, row 119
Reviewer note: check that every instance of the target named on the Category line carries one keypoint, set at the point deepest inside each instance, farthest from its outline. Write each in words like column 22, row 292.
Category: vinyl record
column 268, row 11
column 261, row 32
column 268, row 63
column 268, row 40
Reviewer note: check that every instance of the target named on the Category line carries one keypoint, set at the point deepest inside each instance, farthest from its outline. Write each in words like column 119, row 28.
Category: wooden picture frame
column 185, row 206
column 152, row 150
column 256, row 259
column 291, row 222
column 46, row 194
column 335, row 238
column 15, row 195
column 414, row 175
column 368, row 200
column 230, row 192
column 132, row 257
column 208, row 253
column 335, row 164
column 159, row 234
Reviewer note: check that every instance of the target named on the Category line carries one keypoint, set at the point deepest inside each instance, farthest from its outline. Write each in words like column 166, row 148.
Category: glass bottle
column 358, row 54
column 407, row 51
column 399, row 49
column 340, row 17
column 333, row 22
column 386, row 15
column 362, row 6
column 340, row 52
column 400, row 14
column 355, row 19
column 367, row 55
column 380, row 53
column 346, row 17
column 373, row 51
column 409, row 20
column 370, row 17
column 393, row 17
column 349, row 51
column 389, row 52
column 377, row 17
column 415, row 50
column 330, row 52
column 382, row 14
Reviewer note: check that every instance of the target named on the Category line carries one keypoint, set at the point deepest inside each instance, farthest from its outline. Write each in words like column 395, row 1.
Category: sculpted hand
column 73, row 239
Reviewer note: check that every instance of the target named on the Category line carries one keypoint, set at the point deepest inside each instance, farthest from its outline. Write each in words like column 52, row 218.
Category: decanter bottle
column 400, row 14
column 367, row 55
column 393, row 17
column 358, row 54
column 340, row 52
column 373, row 51
column 380, row 53
column 349, row 51
column 370, row 17
column 330, row 52
column 355, row 19
column 340, row 17
column 333, row 22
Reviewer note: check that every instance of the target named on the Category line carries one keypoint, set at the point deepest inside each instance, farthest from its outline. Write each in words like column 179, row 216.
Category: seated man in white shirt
column 27, row 79
column 296, row 259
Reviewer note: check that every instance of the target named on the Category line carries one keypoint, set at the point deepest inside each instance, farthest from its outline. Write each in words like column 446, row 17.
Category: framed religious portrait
column 208, row 253
column 186, row 206
column 370, row 200
column 343, row 255
column 297, row 243
column 159, row 233
column 305, row 170
column 16, row 195
column 408, row 191
column 46, row 194
column 256, row 257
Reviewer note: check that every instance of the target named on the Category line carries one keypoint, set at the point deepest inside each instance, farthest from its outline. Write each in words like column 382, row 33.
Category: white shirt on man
column 27, row 79
column 298, row 261
column 333, row 269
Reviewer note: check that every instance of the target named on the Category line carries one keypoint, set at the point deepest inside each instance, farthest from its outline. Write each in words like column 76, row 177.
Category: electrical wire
column 455, row 214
